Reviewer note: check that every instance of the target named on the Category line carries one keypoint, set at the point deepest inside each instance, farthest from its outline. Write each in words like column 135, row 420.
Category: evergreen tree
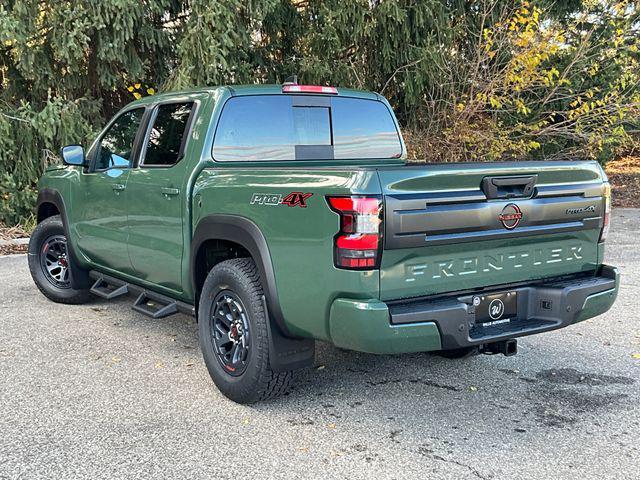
column 468, row 79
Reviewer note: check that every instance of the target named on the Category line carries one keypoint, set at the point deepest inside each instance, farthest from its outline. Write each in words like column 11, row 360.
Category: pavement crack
column 463, row 465
column 427, row 382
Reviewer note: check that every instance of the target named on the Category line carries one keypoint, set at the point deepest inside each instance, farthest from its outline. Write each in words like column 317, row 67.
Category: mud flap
column 288, row 353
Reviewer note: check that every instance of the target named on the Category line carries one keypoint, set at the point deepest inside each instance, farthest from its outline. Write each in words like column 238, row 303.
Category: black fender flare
column 78, row 277
column 289, row 352
column 244, row 232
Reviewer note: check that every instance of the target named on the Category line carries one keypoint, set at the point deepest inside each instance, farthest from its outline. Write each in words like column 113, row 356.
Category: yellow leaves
column 138, row 90
column 460, row 107
column 551, row 74
column 536, row 15
column 495, row 102
column 521, row 107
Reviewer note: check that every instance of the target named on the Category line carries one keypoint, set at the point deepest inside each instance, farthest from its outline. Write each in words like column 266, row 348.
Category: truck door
column 99, row 214
column 156, row 197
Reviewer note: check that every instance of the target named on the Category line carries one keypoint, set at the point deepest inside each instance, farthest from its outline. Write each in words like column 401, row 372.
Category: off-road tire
column 51, row 227
column 257, row 381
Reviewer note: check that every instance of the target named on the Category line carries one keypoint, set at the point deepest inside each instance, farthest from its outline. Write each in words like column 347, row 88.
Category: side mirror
column 73, row 155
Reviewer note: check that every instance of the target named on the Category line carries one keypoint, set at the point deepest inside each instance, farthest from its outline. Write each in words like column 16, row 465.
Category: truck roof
column 239, row 90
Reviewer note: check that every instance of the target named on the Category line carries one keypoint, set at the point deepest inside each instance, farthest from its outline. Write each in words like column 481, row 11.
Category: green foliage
column 469, row 79
column 64, row 69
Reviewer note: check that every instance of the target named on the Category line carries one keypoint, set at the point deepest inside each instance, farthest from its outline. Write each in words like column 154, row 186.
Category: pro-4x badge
column 293, row 199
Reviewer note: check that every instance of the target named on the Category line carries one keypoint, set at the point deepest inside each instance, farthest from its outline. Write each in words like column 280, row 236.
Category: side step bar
column 152, row 304
column 155, row 306
column 108, row 291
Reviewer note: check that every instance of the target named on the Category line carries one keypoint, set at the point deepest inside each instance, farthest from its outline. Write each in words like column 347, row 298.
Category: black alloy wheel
column 230, row 333
column 53, row 261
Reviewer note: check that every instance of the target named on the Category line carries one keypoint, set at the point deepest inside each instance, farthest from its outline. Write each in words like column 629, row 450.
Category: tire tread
column 267, row 384
column 72, row 296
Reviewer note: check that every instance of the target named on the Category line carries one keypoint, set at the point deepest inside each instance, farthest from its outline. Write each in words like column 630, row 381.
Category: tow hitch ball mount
column 506, row 347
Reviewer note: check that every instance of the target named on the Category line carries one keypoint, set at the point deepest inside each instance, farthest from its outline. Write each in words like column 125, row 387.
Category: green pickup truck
column 283, row 214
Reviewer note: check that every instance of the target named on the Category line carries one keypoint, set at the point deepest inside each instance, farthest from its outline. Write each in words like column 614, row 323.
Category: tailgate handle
column 509, row 187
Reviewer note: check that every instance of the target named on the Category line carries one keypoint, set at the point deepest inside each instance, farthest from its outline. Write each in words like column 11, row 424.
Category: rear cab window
column 305, row 127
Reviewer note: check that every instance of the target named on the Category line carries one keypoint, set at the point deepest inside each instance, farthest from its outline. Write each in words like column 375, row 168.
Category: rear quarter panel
column 300, row 240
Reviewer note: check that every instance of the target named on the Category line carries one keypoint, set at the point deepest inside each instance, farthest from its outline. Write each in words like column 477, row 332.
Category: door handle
column 118, row 187
column 170, row 191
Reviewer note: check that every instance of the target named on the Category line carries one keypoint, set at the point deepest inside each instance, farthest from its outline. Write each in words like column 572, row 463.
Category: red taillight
column 606, row 194
column 358, row 243
column 309, row 89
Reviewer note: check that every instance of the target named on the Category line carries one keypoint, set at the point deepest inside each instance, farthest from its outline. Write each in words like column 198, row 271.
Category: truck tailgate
column 454, row 227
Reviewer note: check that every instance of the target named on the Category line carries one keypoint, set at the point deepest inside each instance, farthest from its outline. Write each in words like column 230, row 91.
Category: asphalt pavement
column 101, row 392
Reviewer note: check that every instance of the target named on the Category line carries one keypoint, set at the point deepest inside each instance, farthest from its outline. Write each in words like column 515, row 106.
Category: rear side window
column 167, row 137
column 264, row 127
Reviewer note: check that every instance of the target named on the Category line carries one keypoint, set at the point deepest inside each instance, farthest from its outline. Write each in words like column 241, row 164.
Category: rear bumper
column 447, row 323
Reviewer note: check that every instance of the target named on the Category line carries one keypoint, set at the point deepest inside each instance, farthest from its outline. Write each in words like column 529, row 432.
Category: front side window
column 273, row 127
column 165, row 144
column 116, row 146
